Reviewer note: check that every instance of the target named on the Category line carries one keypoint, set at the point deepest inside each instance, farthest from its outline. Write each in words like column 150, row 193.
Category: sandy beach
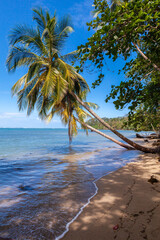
column 126, row 206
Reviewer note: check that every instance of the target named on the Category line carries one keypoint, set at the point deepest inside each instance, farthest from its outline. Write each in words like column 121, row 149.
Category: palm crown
column 49, row 79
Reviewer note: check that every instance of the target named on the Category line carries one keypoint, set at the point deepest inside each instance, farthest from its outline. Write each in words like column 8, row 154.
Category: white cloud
column 81, row 13
column 53, row 120
column 7, row 115
column 21, row 120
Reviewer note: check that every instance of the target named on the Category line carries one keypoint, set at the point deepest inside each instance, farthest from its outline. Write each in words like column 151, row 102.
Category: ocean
column 44, row 182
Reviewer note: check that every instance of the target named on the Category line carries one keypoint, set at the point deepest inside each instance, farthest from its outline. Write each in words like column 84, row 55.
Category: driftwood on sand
column 151, row 136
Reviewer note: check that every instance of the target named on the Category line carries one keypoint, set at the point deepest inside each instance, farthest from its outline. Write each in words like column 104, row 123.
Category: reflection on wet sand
column 43, row 213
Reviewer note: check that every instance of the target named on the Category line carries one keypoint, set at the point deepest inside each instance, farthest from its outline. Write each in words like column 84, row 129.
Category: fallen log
column 151, row 136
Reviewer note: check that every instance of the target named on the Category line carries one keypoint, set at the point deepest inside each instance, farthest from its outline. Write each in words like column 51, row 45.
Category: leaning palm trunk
column 130, row 142
column 104, row 135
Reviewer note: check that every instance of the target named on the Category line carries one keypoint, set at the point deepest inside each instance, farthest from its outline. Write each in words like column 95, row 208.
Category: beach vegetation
column 119, row 123
column 130, row 30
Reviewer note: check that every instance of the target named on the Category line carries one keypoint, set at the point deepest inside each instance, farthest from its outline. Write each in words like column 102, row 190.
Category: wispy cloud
column 46, row 122
column 8, row 115
column 81, row 13
column 19, row 119
column 40, row 3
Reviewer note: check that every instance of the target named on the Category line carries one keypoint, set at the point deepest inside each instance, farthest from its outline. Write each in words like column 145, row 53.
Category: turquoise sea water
column 44, row 182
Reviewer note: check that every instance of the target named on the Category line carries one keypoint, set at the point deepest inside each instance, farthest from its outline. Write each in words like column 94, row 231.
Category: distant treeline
column 119, row 123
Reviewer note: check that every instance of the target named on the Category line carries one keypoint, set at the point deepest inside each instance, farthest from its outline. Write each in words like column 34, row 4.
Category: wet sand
column 126, row 207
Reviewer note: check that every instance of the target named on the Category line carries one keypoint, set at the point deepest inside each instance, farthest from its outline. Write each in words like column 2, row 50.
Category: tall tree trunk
column 69, row 130
column 105, row 135
column 69, row 122
column 130, row 142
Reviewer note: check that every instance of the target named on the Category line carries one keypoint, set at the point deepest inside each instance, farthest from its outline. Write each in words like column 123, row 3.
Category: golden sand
column 126, row 207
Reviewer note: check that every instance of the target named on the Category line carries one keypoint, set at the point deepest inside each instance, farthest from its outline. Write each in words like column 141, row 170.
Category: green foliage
column 144, row 120
column 118, row 123
column 131, row 30
column 140, row 121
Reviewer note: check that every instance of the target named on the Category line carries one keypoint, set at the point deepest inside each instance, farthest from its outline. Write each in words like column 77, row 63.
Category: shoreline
column 124, row 200
column 82, row 208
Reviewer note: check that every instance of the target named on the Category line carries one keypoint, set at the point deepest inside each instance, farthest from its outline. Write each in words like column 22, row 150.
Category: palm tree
column 49, row 79
column 39, row 50
column 51, row 83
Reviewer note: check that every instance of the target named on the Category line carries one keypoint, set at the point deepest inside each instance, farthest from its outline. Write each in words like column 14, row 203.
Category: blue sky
column 15, row 12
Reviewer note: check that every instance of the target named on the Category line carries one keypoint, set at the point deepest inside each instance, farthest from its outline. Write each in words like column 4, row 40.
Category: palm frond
column 18, row 84
column 70, row 56
column 22, row 100
column 92, row 105
column 32, row 71
column 19, row 57
column 39, row 17
column 62, row 30
column 49, row 83
column 29, row 37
